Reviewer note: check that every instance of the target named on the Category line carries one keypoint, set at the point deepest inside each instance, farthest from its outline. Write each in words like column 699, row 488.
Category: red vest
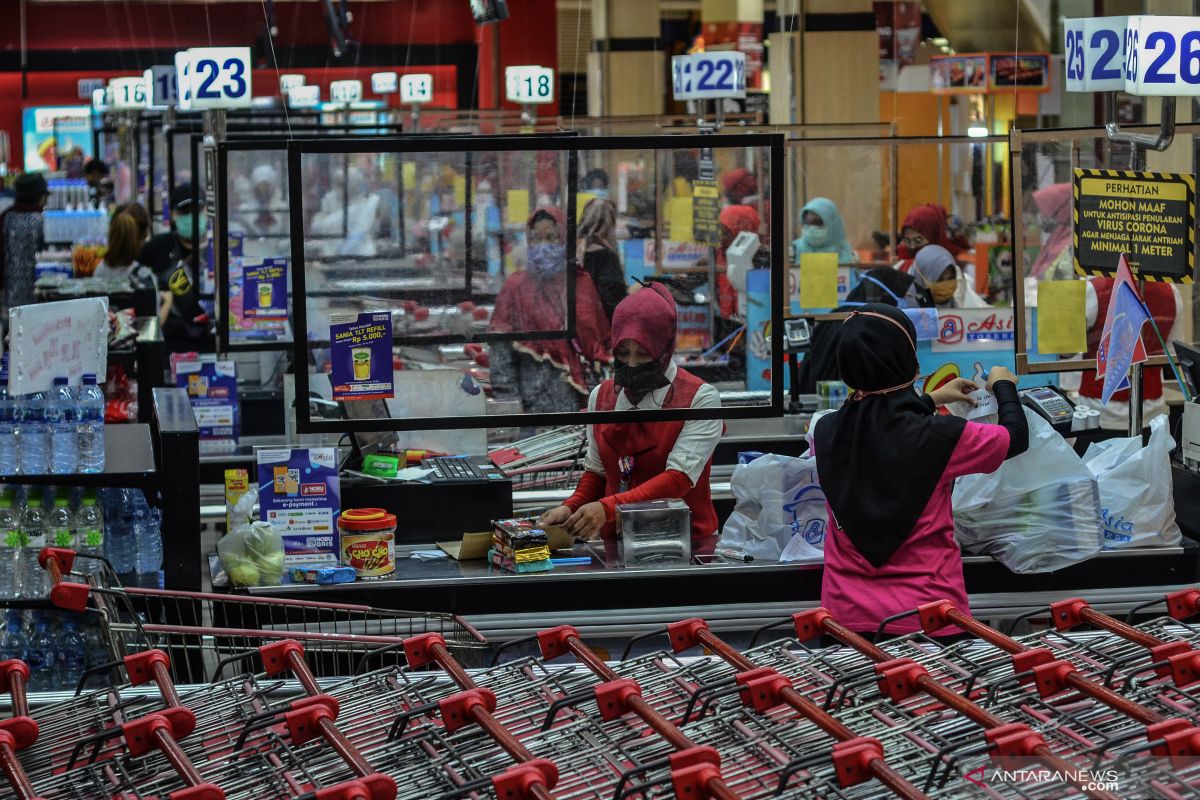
column 1160, row 299
column 649, row 444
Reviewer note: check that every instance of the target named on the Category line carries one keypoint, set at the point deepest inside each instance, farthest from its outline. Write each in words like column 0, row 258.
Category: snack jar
column 368, row 541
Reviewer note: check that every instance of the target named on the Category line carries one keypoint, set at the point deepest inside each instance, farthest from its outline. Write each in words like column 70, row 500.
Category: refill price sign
column 529, row 85
column 298, row 494
column 264, row 288
column 361, row 352
column 212, row 389
column 709, row 76
column 1149, row 215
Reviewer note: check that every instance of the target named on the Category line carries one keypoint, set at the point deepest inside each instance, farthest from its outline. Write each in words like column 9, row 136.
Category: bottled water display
column 10, row 457
column 90, row 399
column 89, row 533
column 33, row 532
column 13, row 642
column 11, row 549
column 62, row 524
column 32, row 434
column 71, row 658
column 41, row 658
column 62, row 418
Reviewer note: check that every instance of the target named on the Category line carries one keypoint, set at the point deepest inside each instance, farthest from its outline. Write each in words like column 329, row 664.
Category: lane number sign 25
column 1095, row 54
column 706, row 76
column 529, row 85
column 1143, row 55
column 214, row 77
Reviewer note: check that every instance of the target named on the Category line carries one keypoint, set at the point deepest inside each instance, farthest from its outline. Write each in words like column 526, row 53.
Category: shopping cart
column 548, row 461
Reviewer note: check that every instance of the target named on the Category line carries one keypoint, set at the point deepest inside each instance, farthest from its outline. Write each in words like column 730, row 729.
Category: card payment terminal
column 1051, row 404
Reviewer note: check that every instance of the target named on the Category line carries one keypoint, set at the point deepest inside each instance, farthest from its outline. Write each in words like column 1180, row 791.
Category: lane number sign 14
column 345, row 91
column 709, row 76
column 128, row 93
column 416, row 89
column 1095, row 54
column 529, row 85
column 214, row 77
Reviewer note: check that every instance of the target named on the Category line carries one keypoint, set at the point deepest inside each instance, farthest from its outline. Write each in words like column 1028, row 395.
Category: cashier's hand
column 955, row 391
column 999, row 373
column 555, row 516
column 587, row 521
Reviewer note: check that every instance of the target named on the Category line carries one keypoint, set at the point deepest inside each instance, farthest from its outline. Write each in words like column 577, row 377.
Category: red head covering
column 930, row 222
column 1054, row 203
column 648, row 317
column 739, row 184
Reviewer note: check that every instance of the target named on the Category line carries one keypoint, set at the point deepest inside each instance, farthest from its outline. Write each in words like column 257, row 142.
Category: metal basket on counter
column 550, row 461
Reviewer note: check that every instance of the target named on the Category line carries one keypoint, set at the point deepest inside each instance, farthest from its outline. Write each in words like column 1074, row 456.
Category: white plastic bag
column 780, row 510
column 1135, row 489
column 1038, row 512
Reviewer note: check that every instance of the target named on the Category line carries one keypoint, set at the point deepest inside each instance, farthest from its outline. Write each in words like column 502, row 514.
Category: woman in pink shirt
column 887, row 462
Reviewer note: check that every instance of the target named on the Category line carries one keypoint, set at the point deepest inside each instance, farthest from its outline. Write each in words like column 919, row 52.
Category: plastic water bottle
column 62, row 524
column 32, row 434
column 10, row 457
column 33, row 532
column 62, row 416
column 40, row 656
column 14, row 643
column 11, row 550
column 148, row 541
column 91, row 425
column 96, row 653
column 72, row 655
column 89, row 534
column 119, row 544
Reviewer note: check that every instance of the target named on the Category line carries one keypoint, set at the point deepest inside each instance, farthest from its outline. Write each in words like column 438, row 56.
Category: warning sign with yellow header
column 1149, row 215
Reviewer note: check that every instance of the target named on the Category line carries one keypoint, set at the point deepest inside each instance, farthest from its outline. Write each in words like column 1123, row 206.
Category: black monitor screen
column 485, row 11
column 1189, row 365
column 370, row 442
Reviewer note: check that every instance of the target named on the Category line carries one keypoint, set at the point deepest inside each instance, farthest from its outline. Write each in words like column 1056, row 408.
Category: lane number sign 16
column 1095, row 54
column 345, row 91
column 214, row 77
column 127, row 93
column 416, row 89
column 709, row 76
column 529, row 85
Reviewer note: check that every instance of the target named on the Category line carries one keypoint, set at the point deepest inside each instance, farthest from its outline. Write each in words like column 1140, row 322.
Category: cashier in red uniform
column 630, row 462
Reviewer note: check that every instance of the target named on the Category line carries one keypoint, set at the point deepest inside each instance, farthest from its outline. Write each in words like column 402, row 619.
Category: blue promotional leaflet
column 265, row 288
column 212, row 388
column 361, row 354
column 299, row 494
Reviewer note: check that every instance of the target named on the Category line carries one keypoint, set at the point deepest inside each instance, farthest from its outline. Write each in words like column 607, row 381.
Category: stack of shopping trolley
column 353, row 707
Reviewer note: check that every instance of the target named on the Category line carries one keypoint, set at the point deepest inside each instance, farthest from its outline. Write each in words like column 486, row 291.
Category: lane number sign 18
column 163, row 86
column 529, row 85
column 709, row 76
column 214, row 77
column 384, row 82
column 128, row 93
column 1162, row 56
column 1095, row 54
column 416, row 89
column 345, row 91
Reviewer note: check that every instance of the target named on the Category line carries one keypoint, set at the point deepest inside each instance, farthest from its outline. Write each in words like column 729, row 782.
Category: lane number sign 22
column 215, row 77
column 707, row 76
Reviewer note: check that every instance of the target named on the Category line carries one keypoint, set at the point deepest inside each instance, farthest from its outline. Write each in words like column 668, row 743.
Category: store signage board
column 215, row 78
column 384, row 82
column 1019, row 72
column 128, row 93
column 300, row 496
column 1162, row 56
column 304, row 97
column 961, row 73
column 86, row 87
column 1149, row 215
column 360, row 352
column 345, row 91
column 1095, row 54
column 289, row 81
column 709, row 76
column 968, row 330
column 416, row 89
column 211, row 386
column 706, row 202
column 529, row 85
column 68, row 337
column 163, row 86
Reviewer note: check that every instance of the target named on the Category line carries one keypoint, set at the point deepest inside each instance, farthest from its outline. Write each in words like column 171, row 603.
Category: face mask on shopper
column 545, row 259
column 815, row 235
column 943, row 291
column 183, row 226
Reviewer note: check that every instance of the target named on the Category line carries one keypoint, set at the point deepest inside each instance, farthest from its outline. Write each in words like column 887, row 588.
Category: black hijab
column 882, row 454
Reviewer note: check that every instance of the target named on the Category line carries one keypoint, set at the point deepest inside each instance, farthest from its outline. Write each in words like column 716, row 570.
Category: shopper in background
column 265, row 211
column 164, row 251
column 887, row 463
column 823, row 232
column 597, row 232
column 1055, row 261
column 595, row 182
column 937, row 271
column 21, row 237
column 126, row 235
column 547, row 375
column 631, row 462
column 140, row 216
column 186, row 325
column 923, row 226
column 100, row 185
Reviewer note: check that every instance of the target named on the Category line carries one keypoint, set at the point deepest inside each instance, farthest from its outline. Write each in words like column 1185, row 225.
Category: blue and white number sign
column 1162, row 56
column 289, row 81
column 304, row 96
column 345, row 91
column 214, row 77
column 709, row 76
column 416, row 89
column 127, row 93
column 529, row 85
column 163, row 86
column 1095, row 54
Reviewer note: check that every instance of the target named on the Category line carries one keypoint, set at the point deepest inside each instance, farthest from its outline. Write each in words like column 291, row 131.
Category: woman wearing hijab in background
column 547, row 375
column 598, row 232
column 923, row 226
column 21, row 237
column 824, row 232
column 887, row 463
column 936, row 270
column 882, row 285
column 631, row 462
column 1055, row 261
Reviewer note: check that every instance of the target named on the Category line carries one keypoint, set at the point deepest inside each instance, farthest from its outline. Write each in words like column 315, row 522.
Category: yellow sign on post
column 818, row 280
column 516, row 206
column 581, row 201
column 408, row 174
column 679, row 217
column 1061, row 317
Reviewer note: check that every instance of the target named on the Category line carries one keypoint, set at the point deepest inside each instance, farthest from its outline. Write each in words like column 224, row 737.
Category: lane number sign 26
column 529, row 85
column 706, row 76
column 214, row 77
column 1143, row 55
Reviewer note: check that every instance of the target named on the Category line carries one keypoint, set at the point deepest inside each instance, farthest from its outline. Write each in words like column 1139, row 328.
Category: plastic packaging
column 11, row 541
column 779, row 507
column 61, row 524
column 252, row 554
column 62, row 418
column 33, row 532
column 368, row 541
column 89, row 534
column 10, row 456
column 33, row 435
column 90, row 429
column 40, row 657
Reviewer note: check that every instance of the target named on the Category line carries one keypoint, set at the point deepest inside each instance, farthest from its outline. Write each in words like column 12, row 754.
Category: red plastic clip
column 761, row 688
column 810, row 624
column 70, row 596
column 1023, row 663
column 418, row 650
column 1180, row 742
column 1051, row 677
column 517, row 783
column 140, row 666
column 275, row 655
column 203, row 791
column 934, row 616
column 1185, row 667
column 692, row 770
column 613, row 697
column 553, row 641
column 327, row 701
column 1163, row 653
column 21, row 731
column 7, row 668
column 1013, row 741
column 181, row 719
column 139, row 734
column 1184, row 603
column 64, row 557
column 683, row 634
column 1065, row 613
column 456, row 709
column 852, row 760
column 375, row 786
column 898, row 678
column 303, row 724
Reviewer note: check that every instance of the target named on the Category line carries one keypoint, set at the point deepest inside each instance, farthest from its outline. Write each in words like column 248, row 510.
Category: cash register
column 1189, row 364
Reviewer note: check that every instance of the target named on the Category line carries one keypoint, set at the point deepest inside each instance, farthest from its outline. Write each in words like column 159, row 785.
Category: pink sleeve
column 981, row 448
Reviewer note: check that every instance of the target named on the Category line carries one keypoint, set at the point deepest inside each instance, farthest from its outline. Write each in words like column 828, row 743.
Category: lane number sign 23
column 215, row 77
column 529, row 85
column 705, row 76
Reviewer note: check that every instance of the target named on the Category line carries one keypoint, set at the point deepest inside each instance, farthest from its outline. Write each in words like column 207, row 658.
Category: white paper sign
column 345, row 91
column 304, row 96
column 289, row 81
column 416, row 89
column 1162, row 56
column 529, row 85
column 215, row 77
column 1095, row 54
column 69, row 337
column 128, row 93
column 163, row 85
column 87, row 87
column 706, row 76
column 384, row 82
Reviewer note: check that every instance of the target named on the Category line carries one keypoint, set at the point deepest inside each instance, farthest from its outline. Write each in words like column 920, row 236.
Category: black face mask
column 639, row 381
